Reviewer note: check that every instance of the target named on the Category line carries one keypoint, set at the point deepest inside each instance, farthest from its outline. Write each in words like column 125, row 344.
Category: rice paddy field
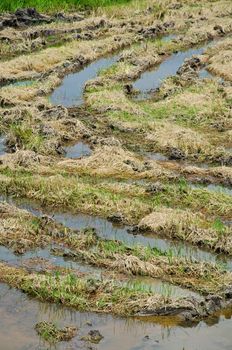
column 116, row 175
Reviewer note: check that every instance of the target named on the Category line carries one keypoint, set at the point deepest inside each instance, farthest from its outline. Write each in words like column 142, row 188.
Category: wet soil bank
column 20, row 314
column 42, row 260
column 111, row 231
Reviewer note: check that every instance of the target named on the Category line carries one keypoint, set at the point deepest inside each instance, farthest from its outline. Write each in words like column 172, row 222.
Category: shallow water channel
column 42, row 259
column 70, row 92
column 109, row 231
column 19, row 314
column 152, row 79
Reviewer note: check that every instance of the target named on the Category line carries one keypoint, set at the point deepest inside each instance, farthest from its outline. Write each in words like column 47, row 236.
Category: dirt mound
column 23, row 17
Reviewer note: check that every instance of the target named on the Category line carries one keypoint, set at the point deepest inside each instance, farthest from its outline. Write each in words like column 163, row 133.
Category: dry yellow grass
column 114, row 161
column 167, row 135
column 220, row 59
column 31, row 66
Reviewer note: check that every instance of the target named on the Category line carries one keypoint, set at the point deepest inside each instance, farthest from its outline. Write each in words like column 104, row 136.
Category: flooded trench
column 19, row 314
column 153, row 78
column 109, row 231
column 70, row 92
column 213, row 188
column 40, row 260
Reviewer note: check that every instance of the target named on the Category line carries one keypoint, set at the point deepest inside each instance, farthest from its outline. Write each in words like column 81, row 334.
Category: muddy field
column 116, row 177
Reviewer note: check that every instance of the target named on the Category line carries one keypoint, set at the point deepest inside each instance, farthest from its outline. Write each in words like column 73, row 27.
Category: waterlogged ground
column 116, row 178
column 19, row 313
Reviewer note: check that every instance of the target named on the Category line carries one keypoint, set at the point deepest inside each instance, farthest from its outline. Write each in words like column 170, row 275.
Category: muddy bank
column 131, row 333
column 24, row 17
column 126, row 234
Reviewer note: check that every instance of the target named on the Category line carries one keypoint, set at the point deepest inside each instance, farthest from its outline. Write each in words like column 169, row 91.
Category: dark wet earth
column 19, row 314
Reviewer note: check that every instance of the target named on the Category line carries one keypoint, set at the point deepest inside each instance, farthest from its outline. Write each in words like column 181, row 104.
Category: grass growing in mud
column 52, row 334
column 85, row 246
column 103, row 199
column 100, row 296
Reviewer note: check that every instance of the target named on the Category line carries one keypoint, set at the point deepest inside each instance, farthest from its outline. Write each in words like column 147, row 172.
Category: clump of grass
column 219, row 227
column 23, row 136
column 51, row 333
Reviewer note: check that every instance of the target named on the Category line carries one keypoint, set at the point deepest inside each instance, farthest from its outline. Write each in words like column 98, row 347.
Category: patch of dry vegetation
column 190, row 227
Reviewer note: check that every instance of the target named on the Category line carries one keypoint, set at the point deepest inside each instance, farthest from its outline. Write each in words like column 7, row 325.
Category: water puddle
column 160, row 157
column 19, row 314
column 151, row 80
column 77, row 151
column 168, row 38
column 204, row 74
column 23, row 83
column 109, row 231
column 70, row 92
column 156, row 156
column 159, row 287
column 9, row 257
column 213, row 188
column 2, row 146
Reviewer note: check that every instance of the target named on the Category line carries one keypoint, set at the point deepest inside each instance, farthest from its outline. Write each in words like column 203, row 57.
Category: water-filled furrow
column 70, row 92
column 160, row 157
column 19, row 315
column 9, row 257
column 42, row 259
column 108, row 231
column 22, row 83
column 152, row 79
column 212, row 188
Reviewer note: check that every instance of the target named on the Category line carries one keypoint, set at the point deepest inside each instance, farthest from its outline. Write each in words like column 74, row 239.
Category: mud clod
column 94, row 336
